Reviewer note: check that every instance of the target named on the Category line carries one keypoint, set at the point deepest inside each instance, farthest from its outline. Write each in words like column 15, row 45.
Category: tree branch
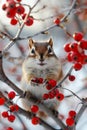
column 79, row 114
column 29, row 97
column 52, row 26
column 26, row 113
column 12, row 42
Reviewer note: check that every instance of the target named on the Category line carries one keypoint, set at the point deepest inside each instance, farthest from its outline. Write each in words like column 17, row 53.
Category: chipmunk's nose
column 41, row 57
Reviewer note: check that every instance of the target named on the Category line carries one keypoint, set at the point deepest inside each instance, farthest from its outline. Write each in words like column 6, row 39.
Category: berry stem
column 72, row 93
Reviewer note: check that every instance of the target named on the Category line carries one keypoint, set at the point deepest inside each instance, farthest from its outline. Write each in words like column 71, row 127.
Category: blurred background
column 44, row 14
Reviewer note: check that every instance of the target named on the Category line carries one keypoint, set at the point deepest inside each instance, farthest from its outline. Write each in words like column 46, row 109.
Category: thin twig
column 4, row 78
column 35, row 4
column 73, row 5
column 52, row 26
column 64, row 78
column 72, row 93
column 44, row 6
column 12, row 42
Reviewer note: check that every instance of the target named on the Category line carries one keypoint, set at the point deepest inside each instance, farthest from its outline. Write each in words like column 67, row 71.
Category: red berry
column 70, row 121
column 71, row 77
column 20, row 10
column 56, row 92
column 23, row 16
column 12, row 4
column 75, row 56
column 11, row 13
column 72, row 113
column 35, row 120
column 78, row 36
column 48, row 87
column 14, row 107
column 77, row 66
column 67, row 47
column 45, row 96
column 11, row 94
column 84, row 59
column 69, row 56
column 51, row 95
column 2, row 101
column 52, row 82
column 57, row 21
column 74, row 47
column 83, row 44
column 34, row 108
column 9, row 128
column 40, row 80
column 4, row 7
column 60, row 96
column 5, row 114
column 13, row 21
column 11, row 118
column 29, row 21
column 19, row 0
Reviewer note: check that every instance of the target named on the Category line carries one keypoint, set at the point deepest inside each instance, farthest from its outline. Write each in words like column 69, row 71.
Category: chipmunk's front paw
column 33, row 84
column 36, row 81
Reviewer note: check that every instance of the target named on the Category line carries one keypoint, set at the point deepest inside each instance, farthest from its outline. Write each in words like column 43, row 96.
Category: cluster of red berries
column 70, row 121
column 11, row 95
column 38, row 80
column 13, row 9
column 77, row 51
column 9, row 116
column 13, row 108
column 50, row 85
column 53, row 93
column 35, row 120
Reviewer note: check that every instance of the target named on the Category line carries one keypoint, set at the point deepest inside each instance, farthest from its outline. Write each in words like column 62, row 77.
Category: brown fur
column 41, row 54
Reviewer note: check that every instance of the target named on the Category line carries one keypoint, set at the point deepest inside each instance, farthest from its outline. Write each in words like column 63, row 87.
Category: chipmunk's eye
column 33, row 51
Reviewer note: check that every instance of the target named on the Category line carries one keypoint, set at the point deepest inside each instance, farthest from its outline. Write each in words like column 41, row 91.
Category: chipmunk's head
column 41, row 50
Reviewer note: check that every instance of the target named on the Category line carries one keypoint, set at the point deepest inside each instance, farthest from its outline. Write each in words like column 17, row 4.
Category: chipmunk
column 41, row 63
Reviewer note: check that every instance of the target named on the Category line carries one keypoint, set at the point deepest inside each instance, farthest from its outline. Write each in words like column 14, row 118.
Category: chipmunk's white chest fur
column 51, row 66
column 31, row 67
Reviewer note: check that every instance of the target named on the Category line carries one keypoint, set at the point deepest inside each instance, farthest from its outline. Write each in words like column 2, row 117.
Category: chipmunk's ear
column 31, row 43
column 51, row 42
